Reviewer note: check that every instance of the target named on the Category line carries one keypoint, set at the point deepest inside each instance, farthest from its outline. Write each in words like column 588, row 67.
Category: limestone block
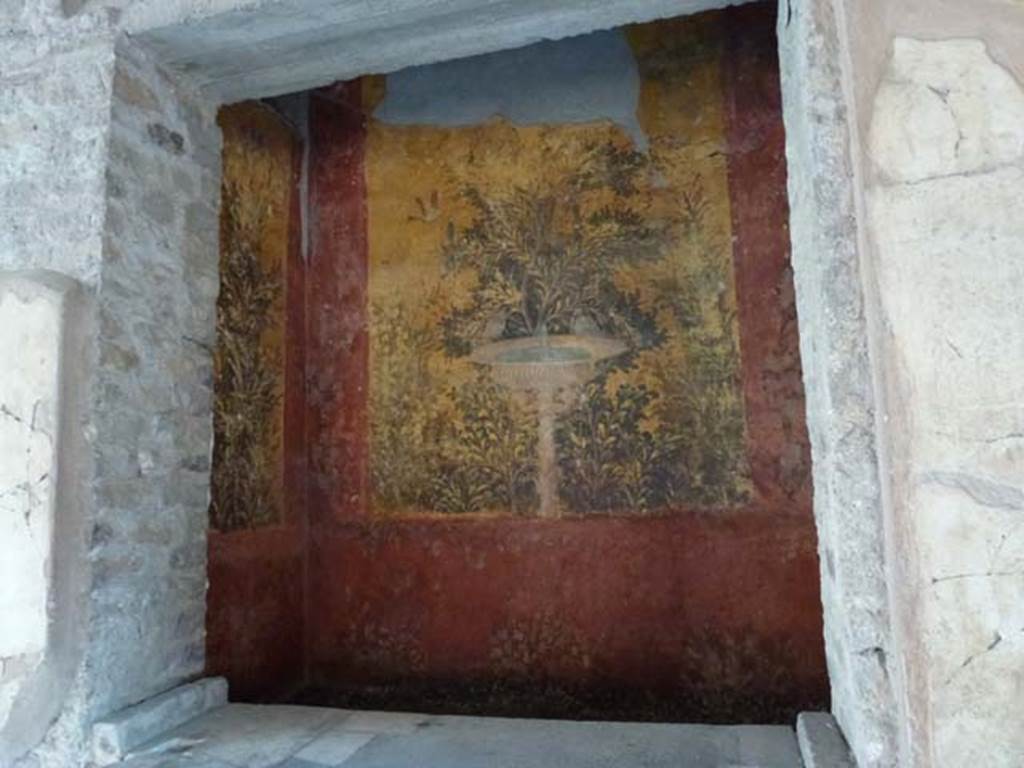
column 225, row 45
column 11, row 10
column 54, row 118
column 945, row 108
column 251, row 735
column 952, row 278
column 972, row 616
column 951, row 284
column 821, row 741
column 114, row 737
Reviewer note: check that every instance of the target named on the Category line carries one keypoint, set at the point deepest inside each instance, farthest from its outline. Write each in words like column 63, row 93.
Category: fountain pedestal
column 550, row 369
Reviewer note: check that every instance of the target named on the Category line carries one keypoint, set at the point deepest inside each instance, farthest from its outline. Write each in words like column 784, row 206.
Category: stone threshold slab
column 115, row 736
column 822, row 744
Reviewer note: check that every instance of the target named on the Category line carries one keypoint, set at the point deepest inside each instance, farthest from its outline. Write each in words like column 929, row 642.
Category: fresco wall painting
column 255, row 603
column 552, row 312
column 523, row 432
column 554, row 386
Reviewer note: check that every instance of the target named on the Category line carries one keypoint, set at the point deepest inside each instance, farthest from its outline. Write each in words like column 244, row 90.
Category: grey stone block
column 822, row 744
column 117, row 735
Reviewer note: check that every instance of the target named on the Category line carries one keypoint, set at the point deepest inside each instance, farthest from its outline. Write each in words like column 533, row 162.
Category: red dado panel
column 688, row 611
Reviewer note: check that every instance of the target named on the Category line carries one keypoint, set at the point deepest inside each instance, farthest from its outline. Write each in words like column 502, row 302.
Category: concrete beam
column 235, row 50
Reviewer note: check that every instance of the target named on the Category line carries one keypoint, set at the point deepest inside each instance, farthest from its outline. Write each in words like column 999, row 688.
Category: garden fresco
column 506, row 383
column 552, row 309
column 249, row 360
column 542, row 393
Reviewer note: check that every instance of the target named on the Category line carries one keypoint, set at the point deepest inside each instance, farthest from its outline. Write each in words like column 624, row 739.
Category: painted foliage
column 249, row 360
column 439, row 237
column 552, row 309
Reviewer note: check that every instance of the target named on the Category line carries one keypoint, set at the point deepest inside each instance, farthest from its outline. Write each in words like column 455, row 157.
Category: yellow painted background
column 414, row 175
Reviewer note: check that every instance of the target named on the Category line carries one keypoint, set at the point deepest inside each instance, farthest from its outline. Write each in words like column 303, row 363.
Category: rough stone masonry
column 110, row 177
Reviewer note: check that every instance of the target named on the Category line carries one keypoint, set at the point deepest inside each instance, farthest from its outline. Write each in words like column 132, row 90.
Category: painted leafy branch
column 247, row 387
column 462, row 449
column 403, row 407
column 605, row 455
column 491, row 452
column 679, row 438
column 545, row 254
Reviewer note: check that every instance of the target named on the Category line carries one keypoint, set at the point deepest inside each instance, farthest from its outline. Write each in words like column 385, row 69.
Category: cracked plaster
column 39, row 619
column 946, row 219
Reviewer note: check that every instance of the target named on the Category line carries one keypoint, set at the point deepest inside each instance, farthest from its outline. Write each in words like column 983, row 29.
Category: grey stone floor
column 250, row 736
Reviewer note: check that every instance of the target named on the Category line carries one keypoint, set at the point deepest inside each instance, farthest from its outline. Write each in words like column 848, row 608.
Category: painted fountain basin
column 546, row 363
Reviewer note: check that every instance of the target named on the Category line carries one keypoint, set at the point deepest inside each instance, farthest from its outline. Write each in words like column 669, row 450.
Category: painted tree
column 545, row 255
column 247, row 382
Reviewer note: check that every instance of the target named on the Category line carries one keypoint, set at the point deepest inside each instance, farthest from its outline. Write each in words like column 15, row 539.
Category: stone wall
column 55, row 86
column 920, row 142
column 111, row 176
column 152, row 391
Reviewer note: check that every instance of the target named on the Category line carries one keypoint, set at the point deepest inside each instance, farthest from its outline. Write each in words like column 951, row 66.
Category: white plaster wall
column 30, row 342
column 946, row 219
column 30, row 333
column 41, row 529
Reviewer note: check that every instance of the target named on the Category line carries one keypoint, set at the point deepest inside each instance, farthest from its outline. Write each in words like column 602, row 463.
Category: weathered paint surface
column 701, row 614
column 339, row 344
column 256, row 599
column 256, row 227
column 498, row 251
column 581, row 79
column 948, row 129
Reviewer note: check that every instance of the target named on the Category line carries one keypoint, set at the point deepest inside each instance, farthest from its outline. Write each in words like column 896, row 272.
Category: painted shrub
column 249, row 360
column 522, row 303
column 552, row 306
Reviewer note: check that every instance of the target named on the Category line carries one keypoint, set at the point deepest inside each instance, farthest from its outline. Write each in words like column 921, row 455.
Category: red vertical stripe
column 295, row 357
column 776, row 429
column 338, row 383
